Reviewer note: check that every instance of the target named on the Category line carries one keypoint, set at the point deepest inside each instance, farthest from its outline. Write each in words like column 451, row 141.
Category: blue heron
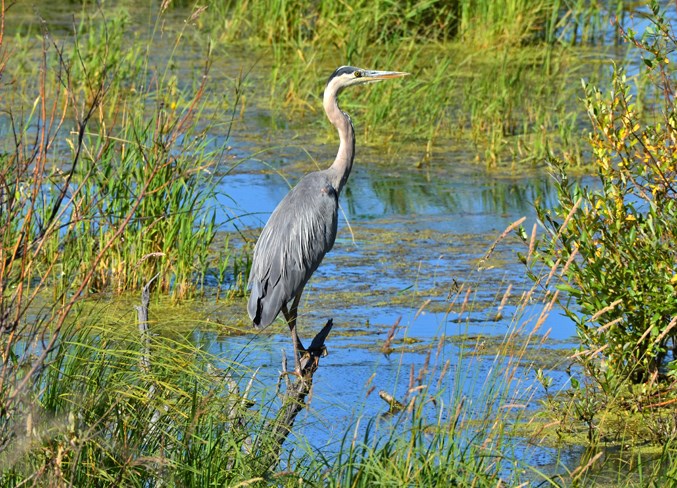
column 302, row 229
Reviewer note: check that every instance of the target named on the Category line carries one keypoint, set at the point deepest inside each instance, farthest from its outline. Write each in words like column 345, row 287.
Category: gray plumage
column 298, row 234
column 302, row 229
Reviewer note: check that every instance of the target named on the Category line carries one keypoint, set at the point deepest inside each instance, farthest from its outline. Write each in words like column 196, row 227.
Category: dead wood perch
column 276, row 430
column 142, row 315
column 394, row 406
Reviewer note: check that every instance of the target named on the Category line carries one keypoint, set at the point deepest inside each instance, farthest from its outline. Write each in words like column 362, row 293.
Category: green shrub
column 614, row 243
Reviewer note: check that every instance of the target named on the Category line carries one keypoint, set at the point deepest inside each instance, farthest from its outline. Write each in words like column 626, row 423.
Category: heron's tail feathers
column 264, row 307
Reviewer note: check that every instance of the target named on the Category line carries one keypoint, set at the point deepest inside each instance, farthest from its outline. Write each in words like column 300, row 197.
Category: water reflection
column 479, row 202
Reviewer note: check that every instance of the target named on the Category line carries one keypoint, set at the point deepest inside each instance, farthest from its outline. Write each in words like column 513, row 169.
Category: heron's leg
column 294, row 313
column 291, row 315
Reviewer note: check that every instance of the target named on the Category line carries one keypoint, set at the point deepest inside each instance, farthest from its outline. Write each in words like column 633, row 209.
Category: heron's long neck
column 340, row 170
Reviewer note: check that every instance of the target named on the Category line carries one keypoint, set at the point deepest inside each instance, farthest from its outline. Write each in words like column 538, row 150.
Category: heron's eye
column 358, row 74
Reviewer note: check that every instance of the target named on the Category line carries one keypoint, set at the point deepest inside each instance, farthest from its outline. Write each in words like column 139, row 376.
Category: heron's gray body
column 300, row 231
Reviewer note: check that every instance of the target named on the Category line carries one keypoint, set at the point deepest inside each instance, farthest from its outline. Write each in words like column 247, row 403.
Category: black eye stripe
column 346, row 70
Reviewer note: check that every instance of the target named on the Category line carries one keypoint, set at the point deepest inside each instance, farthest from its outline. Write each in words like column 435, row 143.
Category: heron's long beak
column 382, row 75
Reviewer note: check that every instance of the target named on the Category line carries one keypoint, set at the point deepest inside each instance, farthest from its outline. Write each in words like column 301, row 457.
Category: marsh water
column 409, row 239
column 411, row 242
column 415, row 237
column 412, row 234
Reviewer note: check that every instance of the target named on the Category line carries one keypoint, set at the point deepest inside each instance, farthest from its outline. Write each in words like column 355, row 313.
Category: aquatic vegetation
column 362, row 24
column 99, row 416
column 498, row 76
column 104, row 185
column 607, row 249
column 123, row 196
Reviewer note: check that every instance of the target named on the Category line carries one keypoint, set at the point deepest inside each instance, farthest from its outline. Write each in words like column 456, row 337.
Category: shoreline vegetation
column 111, row 154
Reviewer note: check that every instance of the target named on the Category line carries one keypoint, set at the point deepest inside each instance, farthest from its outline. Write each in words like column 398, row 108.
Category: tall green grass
column 97, row 417
column 356, row 26
column 499, row 79
column 504, row 106
column 105, row 183
column 113, row 160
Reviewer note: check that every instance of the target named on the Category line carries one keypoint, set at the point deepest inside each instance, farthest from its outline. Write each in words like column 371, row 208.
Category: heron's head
column 349, row 75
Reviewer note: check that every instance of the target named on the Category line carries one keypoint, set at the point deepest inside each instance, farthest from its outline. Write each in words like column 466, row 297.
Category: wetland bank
column 153, row 142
